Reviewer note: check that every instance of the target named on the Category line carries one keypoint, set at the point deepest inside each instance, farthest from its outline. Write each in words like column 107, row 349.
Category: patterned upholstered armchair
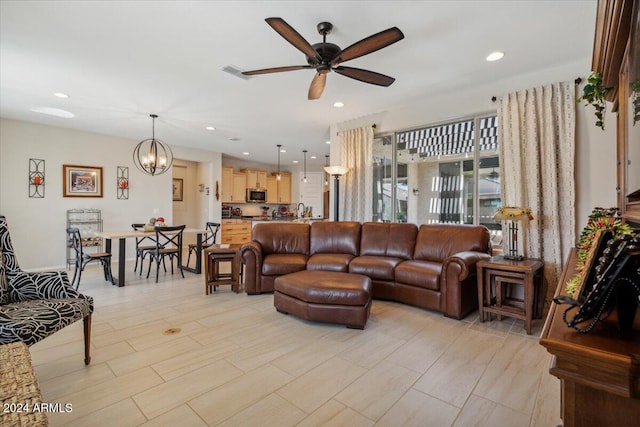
column 35, row 305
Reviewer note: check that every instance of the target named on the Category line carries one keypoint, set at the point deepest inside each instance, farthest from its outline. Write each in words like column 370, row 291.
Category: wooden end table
column 495, row 294
column 216, row 254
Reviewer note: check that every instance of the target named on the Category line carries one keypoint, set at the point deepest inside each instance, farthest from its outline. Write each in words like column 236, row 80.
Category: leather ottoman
column 325, row 296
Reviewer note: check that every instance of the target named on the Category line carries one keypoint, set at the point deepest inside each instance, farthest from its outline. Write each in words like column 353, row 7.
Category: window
column 446, row 173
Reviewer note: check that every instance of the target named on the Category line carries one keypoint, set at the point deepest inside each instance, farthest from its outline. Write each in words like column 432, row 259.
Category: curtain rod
column 576, row 81
column 373, row 126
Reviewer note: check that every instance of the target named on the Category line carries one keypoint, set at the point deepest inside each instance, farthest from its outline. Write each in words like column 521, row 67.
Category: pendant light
column 153, row 156
column 304, row 179
column 278, row 175
column 326, row 164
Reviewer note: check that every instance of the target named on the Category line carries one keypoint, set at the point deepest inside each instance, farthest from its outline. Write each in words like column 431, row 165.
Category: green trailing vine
column 599, row 219
column 593, row 93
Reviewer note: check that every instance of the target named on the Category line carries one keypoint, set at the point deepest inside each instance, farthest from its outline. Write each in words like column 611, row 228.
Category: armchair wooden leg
column 87, row 339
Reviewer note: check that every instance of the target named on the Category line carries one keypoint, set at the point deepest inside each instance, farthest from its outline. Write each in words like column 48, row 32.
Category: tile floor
column 238, row 362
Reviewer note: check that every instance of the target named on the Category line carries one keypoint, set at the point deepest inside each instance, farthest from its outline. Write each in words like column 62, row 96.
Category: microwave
column 256, row 195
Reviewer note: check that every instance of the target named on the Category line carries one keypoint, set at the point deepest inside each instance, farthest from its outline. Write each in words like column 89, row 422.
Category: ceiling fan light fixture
column 152, row 156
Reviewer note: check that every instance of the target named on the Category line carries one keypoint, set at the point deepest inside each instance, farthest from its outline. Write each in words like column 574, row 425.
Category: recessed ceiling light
column 245, row 153
column 295, row 161
column 53, row 112
column 210, row 128
column 61, row 95
column 495, row 56
column 338, row 104
column 282, row 150
column 234, row 139
column 313, row 157
column 328, row 142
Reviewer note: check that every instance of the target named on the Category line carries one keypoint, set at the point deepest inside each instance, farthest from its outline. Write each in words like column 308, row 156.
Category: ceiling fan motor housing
column 326, row 51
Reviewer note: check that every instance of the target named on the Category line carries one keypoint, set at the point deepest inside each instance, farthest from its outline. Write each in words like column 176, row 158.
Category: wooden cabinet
column 284, row 188
column 227, row 184
column 272, row 190
column 599, row 371
column 616, row 55
column 234, row 186
column 279, row 192
column 235, row 231
column 256, row 178
column 239, row 187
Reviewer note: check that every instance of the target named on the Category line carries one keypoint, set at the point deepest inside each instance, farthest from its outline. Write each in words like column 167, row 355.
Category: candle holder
column 36, row 178
column 123, row 182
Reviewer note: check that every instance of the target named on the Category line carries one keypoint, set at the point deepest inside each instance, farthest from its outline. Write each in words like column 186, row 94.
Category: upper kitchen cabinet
column 239, row 187
column 256, row 178
column 227, row 184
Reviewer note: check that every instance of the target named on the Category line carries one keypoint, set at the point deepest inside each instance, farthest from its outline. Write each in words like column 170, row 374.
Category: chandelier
column 153, row 156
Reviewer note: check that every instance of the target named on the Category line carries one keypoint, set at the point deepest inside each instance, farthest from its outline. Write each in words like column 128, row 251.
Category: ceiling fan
column 325, row 57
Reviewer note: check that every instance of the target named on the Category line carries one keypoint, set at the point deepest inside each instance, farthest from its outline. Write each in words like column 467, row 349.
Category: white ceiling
column 122, row 60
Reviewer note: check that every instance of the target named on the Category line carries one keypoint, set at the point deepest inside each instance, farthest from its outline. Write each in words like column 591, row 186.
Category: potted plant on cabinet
column 593, row 93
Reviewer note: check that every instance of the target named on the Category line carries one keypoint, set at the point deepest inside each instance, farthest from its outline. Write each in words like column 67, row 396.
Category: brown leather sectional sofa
column 433, row 266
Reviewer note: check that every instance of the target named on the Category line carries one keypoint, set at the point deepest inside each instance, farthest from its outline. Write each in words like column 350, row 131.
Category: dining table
column 122, row 237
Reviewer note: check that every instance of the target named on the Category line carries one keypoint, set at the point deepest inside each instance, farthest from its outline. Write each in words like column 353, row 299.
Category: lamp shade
column 336, row 170
column 513, row 214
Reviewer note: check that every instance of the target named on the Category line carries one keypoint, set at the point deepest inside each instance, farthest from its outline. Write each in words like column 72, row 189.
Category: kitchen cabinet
column 235, row 231
column 284, row 188
column 239, row 187
column 272, row 190
column 227, row 184
column 256, row 178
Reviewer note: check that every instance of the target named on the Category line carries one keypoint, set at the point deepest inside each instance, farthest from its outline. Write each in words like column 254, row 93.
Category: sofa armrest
column 463, row 264
column 458, row 285
column 251, row 257
column 26, row 286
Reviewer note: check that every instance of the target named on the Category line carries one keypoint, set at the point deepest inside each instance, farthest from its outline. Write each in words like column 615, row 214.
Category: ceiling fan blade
column 292, row 36
column 368, row 45
column 365, row 76
column 317, row 86
column 276, row 70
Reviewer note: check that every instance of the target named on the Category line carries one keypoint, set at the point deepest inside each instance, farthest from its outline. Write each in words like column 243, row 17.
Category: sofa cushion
column 32, row 321
column 424, row 274
column 278, row 264
column 436, row 242
column 376, row 267
column 282, row 239
column 388, row 240
column 330, row 237
column 329, row 262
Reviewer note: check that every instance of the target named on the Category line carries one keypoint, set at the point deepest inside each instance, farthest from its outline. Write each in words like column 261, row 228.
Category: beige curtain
column 356, row 147
column 537, row 150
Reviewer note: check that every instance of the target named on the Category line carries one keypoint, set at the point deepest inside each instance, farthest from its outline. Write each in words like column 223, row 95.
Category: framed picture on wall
column 81, row 181
column 177, row 189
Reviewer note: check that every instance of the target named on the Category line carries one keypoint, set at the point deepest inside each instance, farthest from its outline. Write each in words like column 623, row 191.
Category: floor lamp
column 515, row 215
column 336, row 172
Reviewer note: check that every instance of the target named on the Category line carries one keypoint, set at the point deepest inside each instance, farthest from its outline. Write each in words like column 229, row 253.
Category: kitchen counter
column 254, row 219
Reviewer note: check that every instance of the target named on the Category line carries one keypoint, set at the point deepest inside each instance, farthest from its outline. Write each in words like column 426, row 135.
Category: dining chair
column 168, row 244
column 83, row 258
column 143, row 246
column 212, row 232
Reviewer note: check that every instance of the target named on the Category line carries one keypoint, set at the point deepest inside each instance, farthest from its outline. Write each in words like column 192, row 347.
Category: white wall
column 595, row 149
column 37, row 226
